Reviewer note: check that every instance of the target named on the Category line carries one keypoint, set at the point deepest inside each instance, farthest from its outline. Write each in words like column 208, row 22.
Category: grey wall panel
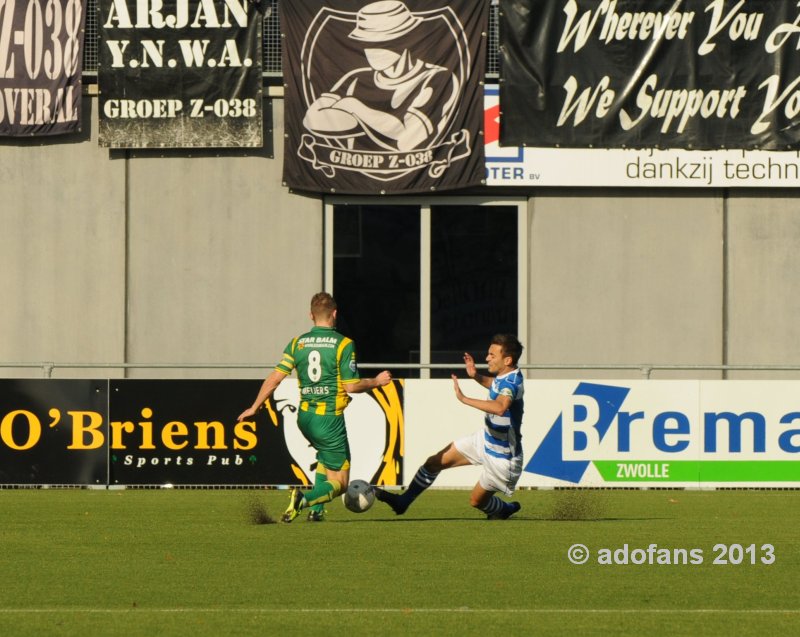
column 62, row 251
column 764, row 281
column 223, row 260
column 619, row 277
column 205, row 257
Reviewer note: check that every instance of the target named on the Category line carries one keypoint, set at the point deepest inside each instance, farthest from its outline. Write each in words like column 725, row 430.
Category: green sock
column 319, row 479
column 322, row 493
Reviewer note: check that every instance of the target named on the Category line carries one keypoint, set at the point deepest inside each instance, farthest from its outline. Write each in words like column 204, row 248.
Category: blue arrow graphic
column 548, row 459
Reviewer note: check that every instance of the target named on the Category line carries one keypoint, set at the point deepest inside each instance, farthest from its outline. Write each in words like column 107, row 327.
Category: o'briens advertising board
column 695, row 434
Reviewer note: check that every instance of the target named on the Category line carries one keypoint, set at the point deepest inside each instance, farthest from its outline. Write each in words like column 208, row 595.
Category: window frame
column 425, row 205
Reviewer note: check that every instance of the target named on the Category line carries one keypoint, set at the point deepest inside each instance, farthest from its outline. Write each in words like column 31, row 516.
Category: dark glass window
column 376, row 272
column 376, row 281
column 473, row 280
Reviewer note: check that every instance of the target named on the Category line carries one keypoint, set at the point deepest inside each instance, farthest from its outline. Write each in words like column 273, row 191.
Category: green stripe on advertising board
column 699, row 470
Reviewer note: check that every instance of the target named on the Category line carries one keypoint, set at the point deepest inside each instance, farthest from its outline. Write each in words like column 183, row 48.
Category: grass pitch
column 213, row 563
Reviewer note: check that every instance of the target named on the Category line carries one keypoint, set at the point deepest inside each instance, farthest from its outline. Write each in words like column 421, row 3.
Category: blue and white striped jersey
column 502, row 436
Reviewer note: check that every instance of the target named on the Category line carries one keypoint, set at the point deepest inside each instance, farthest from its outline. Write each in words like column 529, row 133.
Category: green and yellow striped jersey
column 324, row 360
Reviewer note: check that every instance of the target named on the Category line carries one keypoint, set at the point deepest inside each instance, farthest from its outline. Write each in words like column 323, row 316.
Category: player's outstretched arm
column 366, row 384
column 498, row 406
column 269, row 385
column 472, row 371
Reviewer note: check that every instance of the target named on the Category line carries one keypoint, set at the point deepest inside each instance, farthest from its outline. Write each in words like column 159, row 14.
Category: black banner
column 180, row 73
column 384, row 97
column 178, row 433
column 691, row 74
column 53, row 432
column 41, row 62
column 185, row 432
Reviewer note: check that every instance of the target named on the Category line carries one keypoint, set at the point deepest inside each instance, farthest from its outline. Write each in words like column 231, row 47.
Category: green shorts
column 328, row 435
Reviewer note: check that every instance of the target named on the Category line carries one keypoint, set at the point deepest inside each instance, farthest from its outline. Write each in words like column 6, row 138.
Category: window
column 473, row 280
column 376, row 280
column 419, row 284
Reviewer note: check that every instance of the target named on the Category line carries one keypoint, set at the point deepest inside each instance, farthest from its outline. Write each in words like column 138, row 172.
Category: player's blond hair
column 322, row 305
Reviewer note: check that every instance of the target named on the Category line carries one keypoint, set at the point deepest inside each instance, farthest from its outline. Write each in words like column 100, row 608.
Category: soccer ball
column 359, row 496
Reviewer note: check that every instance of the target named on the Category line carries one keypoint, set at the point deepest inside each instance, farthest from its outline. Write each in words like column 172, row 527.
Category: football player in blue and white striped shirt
column 497, row 446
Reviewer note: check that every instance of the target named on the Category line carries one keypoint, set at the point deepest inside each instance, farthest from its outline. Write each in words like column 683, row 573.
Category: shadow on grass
column 485, row 521
column 602, row 519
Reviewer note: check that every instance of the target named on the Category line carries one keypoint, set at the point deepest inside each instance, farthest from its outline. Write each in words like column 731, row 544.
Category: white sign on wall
column 669, row 433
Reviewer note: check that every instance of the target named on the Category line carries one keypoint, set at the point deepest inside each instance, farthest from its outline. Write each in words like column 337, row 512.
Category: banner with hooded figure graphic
column 384, row 97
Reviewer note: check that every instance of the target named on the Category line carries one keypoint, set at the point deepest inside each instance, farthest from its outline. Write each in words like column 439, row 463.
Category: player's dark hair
column 510, row 345
column 322, row 305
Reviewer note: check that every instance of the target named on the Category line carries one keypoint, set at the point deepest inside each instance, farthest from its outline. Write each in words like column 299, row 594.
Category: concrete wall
column 124, row 256
column 763, row 286
column 62, row 250
column 626, row 277
column 204, row 257
column 222, row 260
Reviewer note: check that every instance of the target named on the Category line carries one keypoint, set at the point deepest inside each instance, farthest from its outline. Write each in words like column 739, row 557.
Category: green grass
column 191, row 562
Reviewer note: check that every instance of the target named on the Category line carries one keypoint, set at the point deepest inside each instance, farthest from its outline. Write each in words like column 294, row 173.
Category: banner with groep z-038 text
column 180, row 74
column 690, row 74
column 41, row 62
column 383, row 97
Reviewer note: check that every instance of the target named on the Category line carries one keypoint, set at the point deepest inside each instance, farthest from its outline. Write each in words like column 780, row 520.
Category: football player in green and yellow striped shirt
column 325, row 362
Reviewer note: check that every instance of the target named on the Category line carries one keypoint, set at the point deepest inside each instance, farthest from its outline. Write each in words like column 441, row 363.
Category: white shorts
column 499, row 474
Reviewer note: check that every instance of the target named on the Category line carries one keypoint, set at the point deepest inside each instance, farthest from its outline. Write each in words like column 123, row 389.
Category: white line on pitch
column 689, row 611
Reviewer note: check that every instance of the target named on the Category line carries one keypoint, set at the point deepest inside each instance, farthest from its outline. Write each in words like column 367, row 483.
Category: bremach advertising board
column 671, row 433
column 664, row 433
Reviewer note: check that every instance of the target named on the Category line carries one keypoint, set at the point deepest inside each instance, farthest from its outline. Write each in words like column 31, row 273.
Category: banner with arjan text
column 383, row 97
column 41, row 62
column 690, row 74
column 180, row 74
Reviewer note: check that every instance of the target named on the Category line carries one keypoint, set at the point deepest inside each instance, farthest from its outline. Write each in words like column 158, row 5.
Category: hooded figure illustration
column 394, row 104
